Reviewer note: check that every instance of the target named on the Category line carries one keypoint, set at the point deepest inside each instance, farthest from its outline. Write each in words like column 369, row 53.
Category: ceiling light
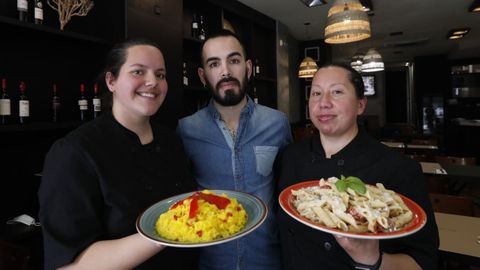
column 346, row 22
column 307, row 69
column 357, row 61
column 372, row 61
column 458, row 33
column 313, row 3
column 475, row 7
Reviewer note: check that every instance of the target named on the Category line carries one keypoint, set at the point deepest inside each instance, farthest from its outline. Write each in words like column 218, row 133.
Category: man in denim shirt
column 232, row 144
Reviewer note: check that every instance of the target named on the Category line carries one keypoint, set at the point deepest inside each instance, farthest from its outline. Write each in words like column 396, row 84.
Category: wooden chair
column 301, row 133
column 450, row 204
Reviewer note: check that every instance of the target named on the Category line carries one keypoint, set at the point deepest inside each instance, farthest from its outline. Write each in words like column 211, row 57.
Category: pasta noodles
column 378, row 210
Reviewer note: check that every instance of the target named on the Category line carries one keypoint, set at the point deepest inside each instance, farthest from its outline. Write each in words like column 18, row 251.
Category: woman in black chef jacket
column 342, row 148
column 100, row 177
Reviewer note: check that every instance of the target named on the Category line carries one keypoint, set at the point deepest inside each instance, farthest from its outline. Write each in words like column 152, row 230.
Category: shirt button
column 237, row 177
column 341, row 162
column 327, row 246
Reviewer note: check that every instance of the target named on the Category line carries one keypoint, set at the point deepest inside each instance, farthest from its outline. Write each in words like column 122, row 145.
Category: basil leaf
column 341, row 185
column 353, row 179
column 358, row 187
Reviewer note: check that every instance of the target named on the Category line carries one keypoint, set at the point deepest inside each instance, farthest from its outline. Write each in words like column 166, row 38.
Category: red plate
column 418, row 221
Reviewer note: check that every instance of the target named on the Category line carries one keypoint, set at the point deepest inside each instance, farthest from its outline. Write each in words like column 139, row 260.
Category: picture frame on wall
column 313, row 52
column 369, row 83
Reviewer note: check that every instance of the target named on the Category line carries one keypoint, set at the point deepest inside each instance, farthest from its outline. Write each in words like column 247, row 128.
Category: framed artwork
column 307, row 92
column 369, row 82
column 313, row 52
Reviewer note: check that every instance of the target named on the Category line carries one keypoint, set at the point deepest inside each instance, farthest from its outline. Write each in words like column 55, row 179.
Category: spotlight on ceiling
column 458, row 33
column 313, row 3
column 475, row 7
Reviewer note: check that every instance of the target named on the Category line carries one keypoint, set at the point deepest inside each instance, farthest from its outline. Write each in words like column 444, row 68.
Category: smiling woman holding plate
column 341, row 148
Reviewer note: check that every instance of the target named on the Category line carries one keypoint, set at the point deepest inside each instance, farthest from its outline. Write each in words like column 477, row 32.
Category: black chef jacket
column 98, row 179
column 306, row 248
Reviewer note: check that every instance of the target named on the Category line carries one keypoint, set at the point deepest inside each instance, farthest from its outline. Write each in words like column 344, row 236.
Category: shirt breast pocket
column 265, row 156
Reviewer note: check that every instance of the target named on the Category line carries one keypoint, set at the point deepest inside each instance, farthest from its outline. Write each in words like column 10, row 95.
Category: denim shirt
column 245, row 164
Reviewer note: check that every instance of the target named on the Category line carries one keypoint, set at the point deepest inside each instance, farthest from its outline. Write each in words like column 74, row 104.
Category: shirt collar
column 350, row 150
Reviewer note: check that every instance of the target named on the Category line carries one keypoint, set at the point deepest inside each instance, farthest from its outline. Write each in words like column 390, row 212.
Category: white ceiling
column 428, row 20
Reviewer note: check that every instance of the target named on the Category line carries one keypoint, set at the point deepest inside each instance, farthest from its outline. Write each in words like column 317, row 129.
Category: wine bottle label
column 83, row 103
column 24, row 108
column 257, row 69
column 22, row 5
column 56, row 104
column 5, row 108
column 195, row 25
column 97, row 105
column 39, row 13
column 255, row 100
column 202, row 37
column 185, row 80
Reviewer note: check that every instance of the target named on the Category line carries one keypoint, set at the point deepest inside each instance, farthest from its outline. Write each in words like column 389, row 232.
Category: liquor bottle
column 97, row 103
column 38, row 12
column 83, row 103
column 257, row 67
column 185, row 74
column 194, row 26
column 56, row 104
column 202, row 34
column 22, row 7
column 255, row 97
column 5, row 108
column 23, row 104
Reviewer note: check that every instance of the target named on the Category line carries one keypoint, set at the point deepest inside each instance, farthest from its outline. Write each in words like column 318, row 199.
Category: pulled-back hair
column 353, row 76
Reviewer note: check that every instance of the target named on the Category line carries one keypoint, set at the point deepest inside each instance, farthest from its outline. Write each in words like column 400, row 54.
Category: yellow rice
column 210, row 223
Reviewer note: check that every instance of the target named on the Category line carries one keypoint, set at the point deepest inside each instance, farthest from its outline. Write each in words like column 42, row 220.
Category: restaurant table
column 433, row 168
column 410, row 146
column 467, row 173
column 459, row 237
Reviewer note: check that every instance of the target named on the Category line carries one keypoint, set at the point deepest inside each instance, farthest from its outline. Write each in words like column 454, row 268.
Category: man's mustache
column 226, row 80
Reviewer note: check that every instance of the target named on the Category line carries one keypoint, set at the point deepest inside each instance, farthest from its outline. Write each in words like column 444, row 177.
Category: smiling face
column 333, row 104
column 141, row 86
column 225, row 70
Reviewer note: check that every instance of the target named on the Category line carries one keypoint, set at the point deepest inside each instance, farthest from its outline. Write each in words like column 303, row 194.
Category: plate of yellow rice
column 202, row 218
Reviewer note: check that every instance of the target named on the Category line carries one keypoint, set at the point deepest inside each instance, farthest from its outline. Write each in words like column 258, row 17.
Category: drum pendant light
column 372, row 61
column 346, row 22
column 308, row 67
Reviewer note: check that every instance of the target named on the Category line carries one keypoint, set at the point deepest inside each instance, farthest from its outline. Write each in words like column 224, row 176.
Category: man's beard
column 231, row 98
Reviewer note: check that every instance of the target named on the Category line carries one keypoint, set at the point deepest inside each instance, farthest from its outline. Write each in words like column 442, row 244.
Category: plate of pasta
column 357, row 211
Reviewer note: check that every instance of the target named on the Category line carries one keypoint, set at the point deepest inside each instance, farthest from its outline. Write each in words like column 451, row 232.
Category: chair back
column 300, row 133
column 450, row 204
column 454, row 160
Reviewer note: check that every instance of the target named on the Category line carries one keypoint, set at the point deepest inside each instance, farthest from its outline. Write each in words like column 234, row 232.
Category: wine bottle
column 97, row 103
column 194, row 26
column 23, row 104
column 185, row 74
column 83, row 103
column 202, row 34
column 255, row 97
column 55, row 104
column 257, row 67
column 22, row 7
column 38, row 12
column 5, row 108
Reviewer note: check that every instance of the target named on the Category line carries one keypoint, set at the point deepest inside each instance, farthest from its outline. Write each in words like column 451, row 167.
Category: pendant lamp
column 308, row 67
column 346, row 22
column 372, row 61
column 357, row 61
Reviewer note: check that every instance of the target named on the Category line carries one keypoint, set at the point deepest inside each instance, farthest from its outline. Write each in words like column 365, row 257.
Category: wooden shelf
column 40, row 126
column 15, row 25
